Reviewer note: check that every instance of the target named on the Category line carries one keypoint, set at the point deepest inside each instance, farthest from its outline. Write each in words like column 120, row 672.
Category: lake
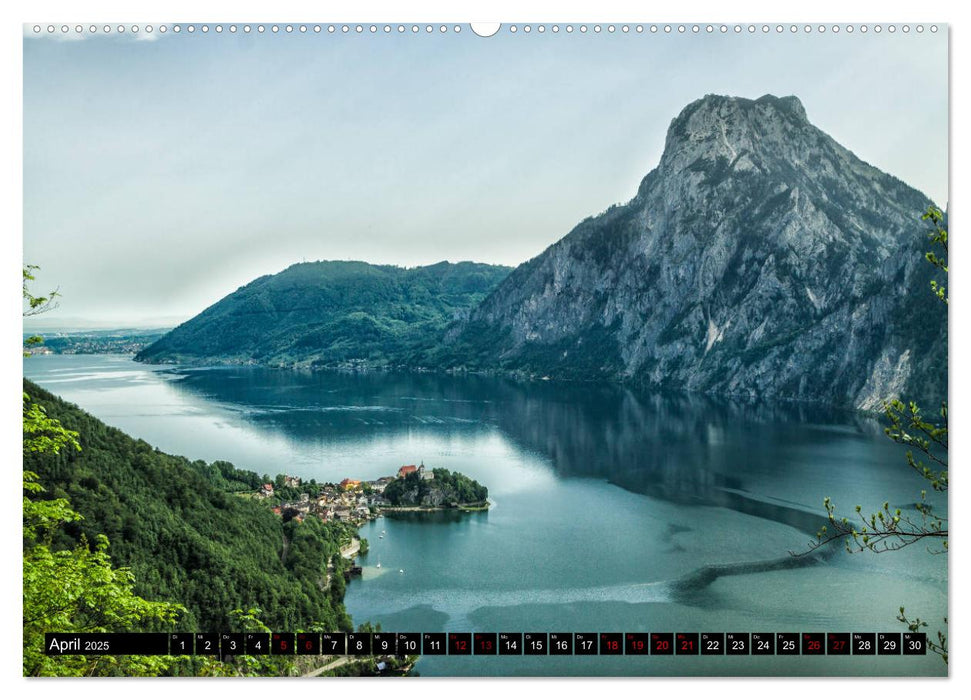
column 605, row 501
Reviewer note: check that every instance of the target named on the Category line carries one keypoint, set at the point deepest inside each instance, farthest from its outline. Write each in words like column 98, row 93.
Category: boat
column 401, row 571
column 379, row 565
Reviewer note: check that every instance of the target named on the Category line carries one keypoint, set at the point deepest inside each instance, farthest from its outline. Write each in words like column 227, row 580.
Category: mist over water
column 606, row 504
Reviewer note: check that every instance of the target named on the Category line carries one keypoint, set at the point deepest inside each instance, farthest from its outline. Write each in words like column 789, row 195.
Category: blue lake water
column 604, row 499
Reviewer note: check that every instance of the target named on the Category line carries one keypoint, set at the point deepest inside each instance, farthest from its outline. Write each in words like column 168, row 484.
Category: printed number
column 208, row 645
column 283, row 645
column 562, row 645
column 182, row 645
column 788, row 645
column 738, row 644
column 713, row 645
column 889, row 644
column 915, row 644
column 460, row 644
column 612, row 644
column 662, row 645
column 762, row 645
column 687, row 645
column 864, row 644
column 586, row 644
column 435, row 644
column 232, row 645
column 813, row 645
column 410, row 645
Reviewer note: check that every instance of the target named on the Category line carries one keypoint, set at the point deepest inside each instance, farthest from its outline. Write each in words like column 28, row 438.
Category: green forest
column 184, row 535
column 331, row 313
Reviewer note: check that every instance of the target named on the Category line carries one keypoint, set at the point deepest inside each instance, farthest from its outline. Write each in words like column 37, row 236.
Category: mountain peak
column 748, row 132
column 760, row 258
column 768, row 105
column 719, row 117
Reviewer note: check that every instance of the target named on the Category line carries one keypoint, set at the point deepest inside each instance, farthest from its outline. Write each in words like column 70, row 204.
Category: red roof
column 407, row 469
column 267, row 487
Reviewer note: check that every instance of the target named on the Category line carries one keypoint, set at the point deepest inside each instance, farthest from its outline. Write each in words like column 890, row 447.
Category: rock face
column 760, row 258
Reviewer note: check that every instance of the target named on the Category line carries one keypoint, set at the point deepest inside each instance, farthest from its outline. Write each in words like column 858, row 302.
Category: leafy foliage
column 939, row 237
column 36, row 304
column 890, row 530
column 75, row 589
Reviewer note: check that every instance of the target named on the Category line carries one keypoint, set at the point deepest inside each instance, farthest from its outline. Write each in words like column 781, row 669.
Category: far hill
column 330, row 313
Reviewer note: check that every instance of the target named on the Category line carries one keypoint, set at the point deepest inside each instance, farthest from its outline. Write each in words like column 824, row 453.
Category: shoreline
column 463, row 507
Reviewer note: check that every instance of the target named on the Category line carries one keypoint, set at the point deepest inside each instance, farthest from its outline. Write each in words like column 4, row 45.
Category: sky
column 161, row 175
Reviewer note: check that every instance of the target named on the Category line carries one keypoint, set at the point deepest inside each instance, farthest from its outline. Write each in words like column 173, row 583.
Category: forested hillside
column 186, row 537
column 331, row 313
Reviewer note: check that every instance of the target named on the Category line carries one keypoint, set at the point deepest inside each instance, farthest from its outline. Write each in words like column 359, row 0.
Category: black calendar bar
column 490, row 644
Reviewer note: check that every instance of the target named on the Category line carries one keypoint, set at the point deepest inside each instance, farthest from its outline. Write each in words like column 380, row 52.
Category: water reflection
column 697, row 450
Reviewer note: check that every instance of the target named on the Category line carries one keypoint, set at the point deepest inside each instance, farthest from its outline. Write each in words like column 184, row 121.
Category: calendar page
column 427, row 348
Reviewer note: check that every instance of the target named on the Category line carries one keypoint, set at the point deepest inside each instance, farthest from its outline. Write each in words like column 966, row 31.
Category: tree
column 888, row 529
column 74, row 590
column 36, row 304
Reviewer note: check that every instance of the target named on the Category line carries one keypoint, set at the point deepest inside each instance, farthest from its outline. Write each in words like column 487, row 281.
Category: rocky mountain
column 760, row 258
column 330, row 313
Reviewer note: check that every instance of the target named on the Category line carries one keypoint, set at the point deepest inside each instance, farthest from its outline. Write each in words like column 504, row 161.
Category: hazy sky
column 161, row 175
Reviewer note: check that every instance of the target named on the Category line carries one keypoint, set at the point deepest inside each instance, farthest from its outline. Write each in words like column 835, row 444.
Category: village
column 352, row 500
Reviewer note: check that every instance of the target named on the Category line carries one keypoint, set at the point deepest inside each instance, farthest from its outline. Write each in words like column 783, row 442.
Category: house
column 406, row 470
column 266, row 490
column 349, row 484
column 291, row 481
column 377, row 486
column 304, row 497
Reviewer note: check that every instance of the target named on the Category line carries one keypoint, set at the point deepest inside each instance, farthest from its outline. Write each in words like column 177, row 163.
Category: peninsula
column 412, row 489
